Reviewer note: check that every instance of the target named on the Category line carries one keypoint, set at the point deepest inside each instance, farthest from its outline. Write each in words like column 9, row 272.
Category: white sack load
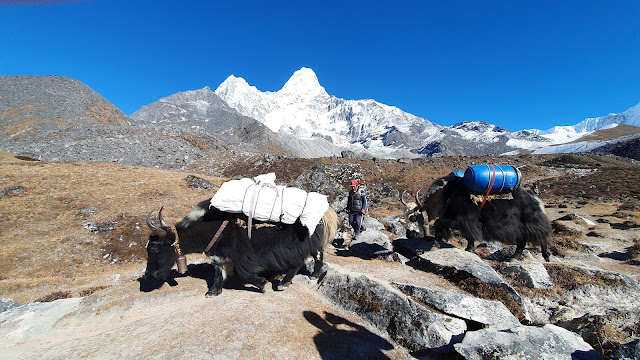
column 261, row 199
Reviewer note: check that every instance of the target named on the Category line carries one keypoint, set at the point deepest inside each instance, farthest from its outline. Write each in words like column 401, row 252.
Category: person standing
column 356, row 206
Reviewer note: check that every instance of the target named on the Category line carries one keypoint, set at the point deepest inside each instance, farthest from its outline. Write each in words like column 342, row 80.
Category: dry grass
column 93, row 289
column 612, row 179
column 56, row 295
column 46, row 245
column 566, row 277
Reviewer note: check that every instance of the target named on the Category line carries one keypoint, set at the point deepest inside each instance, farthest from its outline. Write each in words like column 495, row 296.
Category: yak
column 520, row 220
column 271, row 250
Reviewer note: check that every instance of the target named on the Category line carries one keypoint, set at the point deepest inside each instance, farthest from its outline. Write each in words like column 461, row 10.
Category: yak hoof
column 515, row 258
column 213, row 292
column 283, row 286
column 261, row 284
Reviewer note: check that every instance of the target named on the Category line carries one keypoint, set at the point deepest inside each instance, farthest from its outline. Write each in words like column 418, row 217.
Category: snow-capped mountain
column 304, row 109
column 309, row 122
column 566, row 138
column 564, row 134
column 479, row 138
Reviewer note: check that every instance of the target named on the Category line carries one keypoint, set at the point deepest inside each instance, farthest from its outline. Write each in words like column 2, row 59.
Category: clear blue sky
column 517, row 64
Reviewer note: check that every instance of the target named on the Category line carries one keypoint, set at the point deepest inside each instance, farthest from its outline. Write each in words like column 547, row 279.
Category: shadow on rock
column 364, row 251
column 342, row 339
column 616, row 255
column 418, row 246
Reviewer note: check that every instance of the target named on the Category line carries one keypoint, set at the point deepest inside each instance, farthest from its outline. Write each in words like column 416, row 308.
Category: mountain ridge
column 39, row 114
column 377, row 127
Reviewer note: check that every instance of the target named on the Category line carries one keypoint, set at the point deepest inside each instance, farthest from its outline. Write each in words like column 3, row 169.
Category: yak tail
column 329, row 226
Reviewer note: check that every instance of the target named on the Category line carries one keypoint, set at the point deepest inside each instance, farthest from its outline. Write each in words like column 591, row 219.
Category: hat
column 354, row 182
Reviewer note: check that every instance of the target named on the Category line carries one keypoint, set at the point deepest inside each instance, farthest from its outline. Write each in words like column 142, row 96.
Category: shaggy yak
column 272, row 250
column 520, row 220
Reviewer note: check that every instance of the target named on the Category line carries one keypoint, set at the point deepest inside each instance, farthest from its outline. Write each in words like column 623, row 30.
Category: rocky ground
column 73, row 239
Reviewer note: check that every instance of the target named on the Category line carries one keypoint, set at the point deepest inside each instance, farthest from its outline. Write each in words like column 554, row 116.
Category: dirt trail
column 179, row 322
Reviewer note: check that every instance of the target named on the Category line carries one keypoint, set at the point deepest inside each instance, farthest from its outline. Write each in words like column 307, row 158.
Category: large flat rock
column 390, row 310
column 525, row 342
column 458, row 265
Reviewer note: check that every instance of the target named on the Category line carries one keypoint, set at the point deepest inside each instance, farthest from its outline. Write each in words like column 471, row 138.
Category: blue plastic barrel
column 478, row 178
column 457, row 173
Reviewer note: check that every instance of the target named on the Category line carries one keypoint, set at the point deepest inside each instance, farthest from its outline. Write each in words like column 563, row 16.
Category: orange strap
column 493, row 179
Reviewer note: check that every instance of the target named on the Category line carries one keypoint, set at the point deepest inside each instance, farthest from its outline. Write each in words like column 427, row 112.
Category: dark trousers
column 355, row 220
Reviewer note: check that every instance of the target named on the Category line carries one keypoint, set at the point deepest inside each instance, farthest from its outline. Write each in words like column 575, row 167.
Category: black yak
column 519, row 220
column 272, row 250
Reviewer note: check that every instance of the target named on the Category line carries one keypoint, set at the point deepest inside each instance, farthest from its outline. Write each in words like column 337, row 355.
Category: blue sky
column 516, row 64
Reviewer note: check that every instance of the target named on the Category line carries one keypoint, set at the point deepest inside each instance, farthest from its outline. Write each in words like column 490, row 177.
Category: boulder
column 533, row 274
column 458, row 266
column 34, row 320
column 629, row 351
column 372, row 223
column 405, row 320
column 485, row 312
column 373, row 243
column 7, row 304
column 525, row 342
column 398, row 225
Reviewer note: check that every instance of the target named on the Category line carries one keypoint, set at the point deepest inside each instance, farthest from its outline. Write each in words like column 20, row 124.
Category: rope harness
column 216, row 236
column 181, row 262
column 254, row 200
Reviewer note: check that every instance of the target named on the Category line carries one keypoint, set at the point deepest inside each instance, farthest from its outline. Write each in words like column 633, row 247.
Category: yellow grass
column 43, row 242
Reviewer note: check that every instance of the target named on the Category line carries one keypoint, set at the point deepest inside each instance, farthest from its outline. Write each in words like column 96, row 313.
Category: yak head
column 161, row 253
column 425, row 208
column 413, row 215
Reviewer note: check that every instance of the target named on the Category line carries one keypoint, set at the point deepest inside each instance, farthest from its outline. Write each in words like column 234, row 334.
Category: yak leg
column 520, row 244
column 218, row 280
column 287, row 279
column 472, row 231
column 257, row 281
column 317, row 264
column 442, row 231
column 545, row 251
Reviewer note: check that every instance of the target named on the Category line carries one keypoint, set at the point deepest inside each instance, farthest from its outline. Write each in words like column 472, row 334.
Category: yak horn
column 402, row 199
column 418, row 198
column 156, row 230
column 160, row 217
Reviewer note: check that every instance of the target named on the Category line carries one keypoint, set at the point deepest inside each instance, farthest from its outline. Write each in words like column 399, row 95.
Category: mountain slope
column 204, row 111
column 27, row 100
